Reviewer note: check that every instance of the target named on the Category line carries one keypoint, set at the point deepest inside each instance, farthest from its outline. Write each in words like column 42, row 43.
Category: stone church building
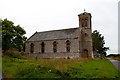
column 73, row 42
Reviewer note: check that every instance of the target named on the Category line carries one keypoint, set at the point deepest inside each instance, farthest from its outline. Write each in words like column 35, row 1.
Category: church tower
column 85, row 35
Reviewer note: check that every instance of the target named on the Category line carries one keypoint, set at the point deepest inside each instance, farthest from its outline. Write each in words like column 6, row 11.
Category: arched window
column 68, row 46
column 86, row 35
column 54, row 46
column 86, row 22
column 82, row 22
column 31, row 47
column 42, row 47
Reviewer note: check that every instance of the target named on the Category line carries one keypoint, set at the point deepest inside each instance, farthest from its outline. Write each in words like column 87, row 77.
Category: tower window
column 42, row 47
column 86, row 22
column 86, row 35
column 54, row 46
column 82, row 22
column 31, row 47
column 68, row 46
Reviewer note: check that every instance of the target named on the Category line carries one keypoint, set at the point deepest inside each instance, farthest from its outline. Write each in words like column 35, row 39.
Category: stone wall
column 61, row 49
column 52, row 55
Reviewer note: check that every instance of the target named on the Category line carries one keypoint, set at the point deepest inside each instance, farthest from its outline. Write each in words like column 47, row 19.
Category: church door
column 85, row 53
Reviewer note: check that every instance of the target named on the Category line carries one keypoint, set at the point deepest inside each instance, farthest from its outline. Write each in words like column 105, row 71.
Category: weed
column 58, row 68
column 13, row 55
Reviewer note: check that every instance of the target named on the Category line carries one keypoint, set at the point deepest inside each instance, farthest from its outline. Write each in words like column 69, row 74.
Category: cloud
column 44, row 15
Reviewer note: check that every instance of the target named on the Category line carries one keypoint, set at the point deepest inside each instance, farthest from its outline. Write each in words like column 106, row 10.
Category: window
column 86, row 35
column 42, row 47
column 82, row 22
column 31, row 47
column 68, row 46
column 54, row 46
column 86, row 22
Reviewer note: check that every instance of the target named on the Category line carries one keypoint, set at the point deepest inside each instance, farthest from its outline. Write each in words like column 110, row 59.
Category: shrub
column 13, row 55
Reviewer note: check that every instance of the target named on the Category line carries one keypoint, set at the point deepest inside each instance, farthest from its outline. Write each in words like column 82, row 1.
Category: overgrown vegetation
column 13, row 55
column 58, row 68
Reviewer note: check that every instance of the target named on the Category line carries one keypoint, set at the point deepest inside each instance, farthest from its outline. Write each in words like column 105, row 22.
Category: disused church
column 73, row 42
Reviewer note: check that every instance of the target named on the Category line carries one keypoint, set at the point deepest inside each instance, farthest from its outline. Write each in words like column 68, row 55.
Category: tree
column 98, row 43
column 12, row 36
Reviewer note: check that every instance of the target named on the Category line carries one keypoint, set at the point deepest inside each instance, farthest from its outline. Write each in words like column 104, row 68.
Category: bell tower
column 85, row 37
column 85, row 20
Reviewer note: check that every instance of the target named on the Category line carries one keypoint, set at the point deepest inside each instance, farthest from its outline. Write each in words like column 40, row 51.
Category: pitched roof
column 55, row 34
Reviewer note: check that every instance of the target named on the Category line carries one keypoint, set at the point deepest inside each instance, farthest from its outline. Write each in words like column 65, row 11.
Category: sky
column 119, row 27
column 45, row 15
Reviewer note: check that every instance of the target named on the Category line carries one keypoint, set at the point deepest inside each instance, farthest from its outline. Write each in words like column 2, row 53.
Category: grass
column 58, row 68
column 13, row 55
column 94, row 69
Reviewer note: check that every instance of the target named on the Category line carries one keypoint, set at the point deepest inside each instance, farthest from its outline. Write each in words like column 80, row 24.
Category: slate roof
column 55, row 34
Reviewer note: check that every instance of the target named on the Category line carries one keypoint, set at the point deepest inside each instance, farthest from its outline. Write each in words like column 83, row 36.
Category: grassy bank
column 116, row 58
column 58, row 68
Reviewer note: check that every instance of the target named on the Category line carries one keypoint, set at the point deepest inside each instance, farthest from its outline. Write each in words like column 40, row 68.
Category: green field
column 58, row 68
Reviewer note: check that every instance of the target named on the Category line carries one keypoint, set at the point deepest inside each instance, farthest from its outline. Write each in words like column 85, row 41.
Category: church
column 72, row 42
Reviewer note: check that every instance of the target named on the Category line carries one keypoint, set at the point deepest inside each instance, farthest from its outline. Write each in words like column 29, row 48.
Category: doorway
column 85, row 53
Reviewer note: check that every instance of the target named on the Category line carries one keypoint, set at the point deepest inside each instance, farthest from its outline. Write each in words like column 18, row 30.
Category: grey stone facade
column 79, row 41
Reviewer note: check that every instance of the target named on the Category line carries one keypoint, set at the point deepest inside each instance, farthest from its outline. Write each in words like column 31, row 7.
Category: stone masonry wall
column 61, row 49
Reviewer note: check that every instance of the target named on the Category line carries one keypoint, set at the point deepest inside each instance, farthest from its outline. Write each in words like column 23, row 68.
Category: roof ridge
column 58, row 30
